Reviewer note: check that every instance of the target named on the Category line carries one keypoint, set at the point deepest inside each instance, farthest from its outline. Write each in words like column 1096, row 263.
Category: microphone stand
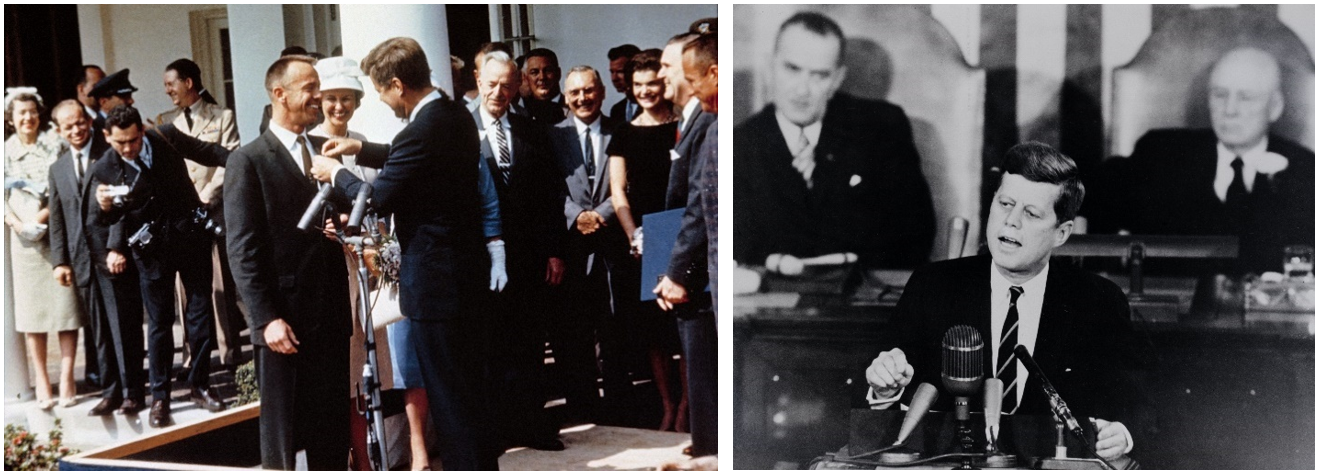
column 369, row 399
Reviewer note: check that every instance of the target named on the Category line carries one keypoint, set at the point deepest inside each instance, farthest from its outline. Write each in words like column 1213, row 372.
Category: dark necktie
column 589, row 159
column 306, row 156
column 1236, row 198
column 77, row 164
column 1005, row 364
column 506, row 161
column 187, row 117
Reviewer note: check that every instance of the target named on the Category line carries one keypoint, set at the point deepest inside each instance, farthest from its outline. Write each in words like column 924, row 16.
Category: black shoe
column 131, row 406
column 544, row 444
column 160, row 413
column 207, row 398
column 105, row 407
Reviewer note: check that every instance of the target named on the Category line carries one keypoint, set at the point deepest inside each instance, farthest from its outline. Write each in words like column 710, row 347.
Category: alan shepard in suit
column 157, row 218
column 428, row 181
column 293, row 282
column 1075, row 323
column 820, row 172
column 1233, row 179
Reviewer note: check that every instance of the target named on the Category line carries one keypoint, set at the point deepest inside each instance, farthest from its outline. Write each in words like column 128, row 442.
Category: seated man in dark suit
column 1233, row 179
column 820, row 172
column 1075, row 323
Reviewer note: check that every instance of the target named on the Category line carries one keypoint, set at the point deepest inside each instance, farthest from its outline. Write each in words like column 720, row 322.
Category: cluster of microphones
column 962, row 374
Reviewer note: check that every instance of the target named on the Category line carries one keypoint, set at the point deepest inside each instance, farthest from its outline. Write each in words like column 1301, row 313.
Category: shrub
column 246, row 379
column 24, row 452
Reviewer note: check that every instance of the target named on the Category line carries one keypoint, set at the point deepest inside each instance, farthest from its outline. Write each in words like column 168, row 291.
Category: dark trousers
column 697, row 334
column 302, row 403
column 517, row 360
column 117, row 330
column 192, row 262
column 597, row 310
column 452, row 363
column 92, row 364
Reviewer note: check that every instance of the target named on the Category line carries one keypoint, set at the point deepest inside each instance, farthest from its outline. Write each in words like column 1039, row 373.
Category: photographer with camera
column 143, row 189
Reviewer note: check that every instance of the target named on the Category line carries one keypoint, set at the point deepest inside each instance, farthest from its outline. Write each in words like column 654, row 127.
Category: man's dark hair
column 543, row 53
column 704, row 51
column 185, row 68
column 275, row 73
column 293, row 50
column 123, row 116
column 399, row 57
column 1041, row 163
column 82, row 74
column 818, row 24
column 623, row 51
column 648, row 60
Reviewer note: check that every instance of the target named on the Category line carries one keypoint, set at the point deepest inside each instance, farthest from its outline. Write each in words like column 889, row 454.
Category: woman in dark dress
column 639, row 175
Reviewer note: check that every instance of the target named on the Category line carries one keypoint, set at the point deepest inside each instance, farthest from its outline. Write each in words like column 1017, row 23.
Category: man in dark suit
column 161, row 202
column 294, row 283
column 626, row 109
column 79, row 256
column 1074, row 323
column 517, row 151
column 429, row 183
column 1234, row 179
column 688, row 272
column 820, row 172
column 544, row 103
column 597, row 263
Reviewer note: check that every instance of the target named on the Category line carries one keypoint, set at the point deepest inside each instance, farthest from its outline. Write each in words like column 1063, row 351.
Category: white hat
column 339, row 73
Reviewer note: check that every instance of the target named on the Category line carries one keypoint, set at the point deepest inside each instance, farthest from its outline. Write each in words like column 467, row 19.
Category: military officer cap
column 113, row 85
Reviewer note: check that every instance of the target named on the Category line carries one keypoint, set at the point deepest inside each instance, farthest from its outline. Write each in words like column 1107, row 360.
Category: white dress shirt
column 792, row 131
column 596, row 147
column 1250, row 163
column 290, row 142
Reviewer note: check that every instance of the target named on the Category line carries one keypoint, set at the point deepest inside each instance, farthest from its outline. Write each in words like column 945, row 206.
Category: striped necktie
column 502, row 142
column 1005, row 364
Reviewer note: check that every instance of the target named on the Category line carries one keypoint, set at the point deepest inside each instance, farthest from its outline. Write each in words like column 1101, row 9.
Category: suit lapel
column 602, row 172
column 779, row 159
column 284, row 161
column 979, row 294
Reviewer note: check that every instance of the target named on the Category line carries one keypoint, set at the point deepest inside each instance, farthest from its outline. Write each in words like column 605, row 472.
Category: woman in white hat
column 341, row 94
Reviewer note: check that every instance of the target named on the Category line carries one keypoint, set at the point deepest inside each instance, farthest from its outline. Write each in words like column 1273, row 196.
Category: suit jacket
column 1084, row 345
column 211, row 123
column 689, row 142
column 690, row 256
column 609, row 241
column 869, row 196
column 280, row 271
column 162, row 194
column 69, row 245
column 428, row 182
column 1172, row 176
column 547, row 113
column 620, row 110
column 529, row 201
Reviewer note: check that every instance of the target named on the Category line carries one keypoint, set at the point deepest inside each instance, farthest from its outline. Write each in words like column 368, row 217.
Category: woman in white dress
column 41, row 304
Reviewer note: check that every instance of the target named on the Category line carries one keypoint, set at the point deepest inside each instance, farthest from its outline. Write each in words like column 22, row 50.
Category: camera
column 120, row 195
column 142, row 238
column 202, row 222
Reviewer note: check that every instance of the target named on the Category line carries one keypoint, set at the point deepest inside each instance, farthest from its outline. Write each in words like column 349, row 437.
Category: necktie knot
column 1013, row 293
column 1237, row 164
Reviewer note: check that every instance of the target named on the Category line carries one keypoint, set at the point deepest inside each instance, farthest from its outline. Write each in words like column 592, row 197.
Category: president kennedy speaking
column 1074, row 322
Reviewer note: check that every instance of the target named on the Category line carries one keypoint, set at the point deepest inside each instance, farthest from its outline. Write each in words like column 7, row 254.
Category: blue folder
column 660, row 230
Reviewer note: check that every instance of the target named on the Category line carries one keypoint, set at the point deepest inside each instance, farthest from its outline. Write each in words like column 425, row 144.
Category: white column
column 365, row 26
column 92, row 35
column 257, row 31
column 1042, row 35
column 1123, row 29
column 964, row 23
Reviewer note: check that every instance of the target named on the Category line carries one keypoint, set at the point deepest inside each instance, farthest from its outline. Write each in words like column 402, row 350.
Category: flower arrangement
column 388, row 260
column 24, row 452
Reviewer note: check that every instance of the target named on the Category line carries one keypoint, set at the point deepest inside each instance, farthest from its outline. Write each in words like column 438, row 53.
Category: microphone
column 993, row 395
column 787, row 264
column 359, row 208
column 1057, row 405
column 922, row 400
column 314, row 208
column 961, row 372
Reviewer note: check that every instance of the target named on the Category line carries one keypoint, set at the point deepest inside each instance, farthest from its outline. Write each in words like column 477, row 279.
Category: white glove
column 637, row 242
column 32, row 232
column 498, row 277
